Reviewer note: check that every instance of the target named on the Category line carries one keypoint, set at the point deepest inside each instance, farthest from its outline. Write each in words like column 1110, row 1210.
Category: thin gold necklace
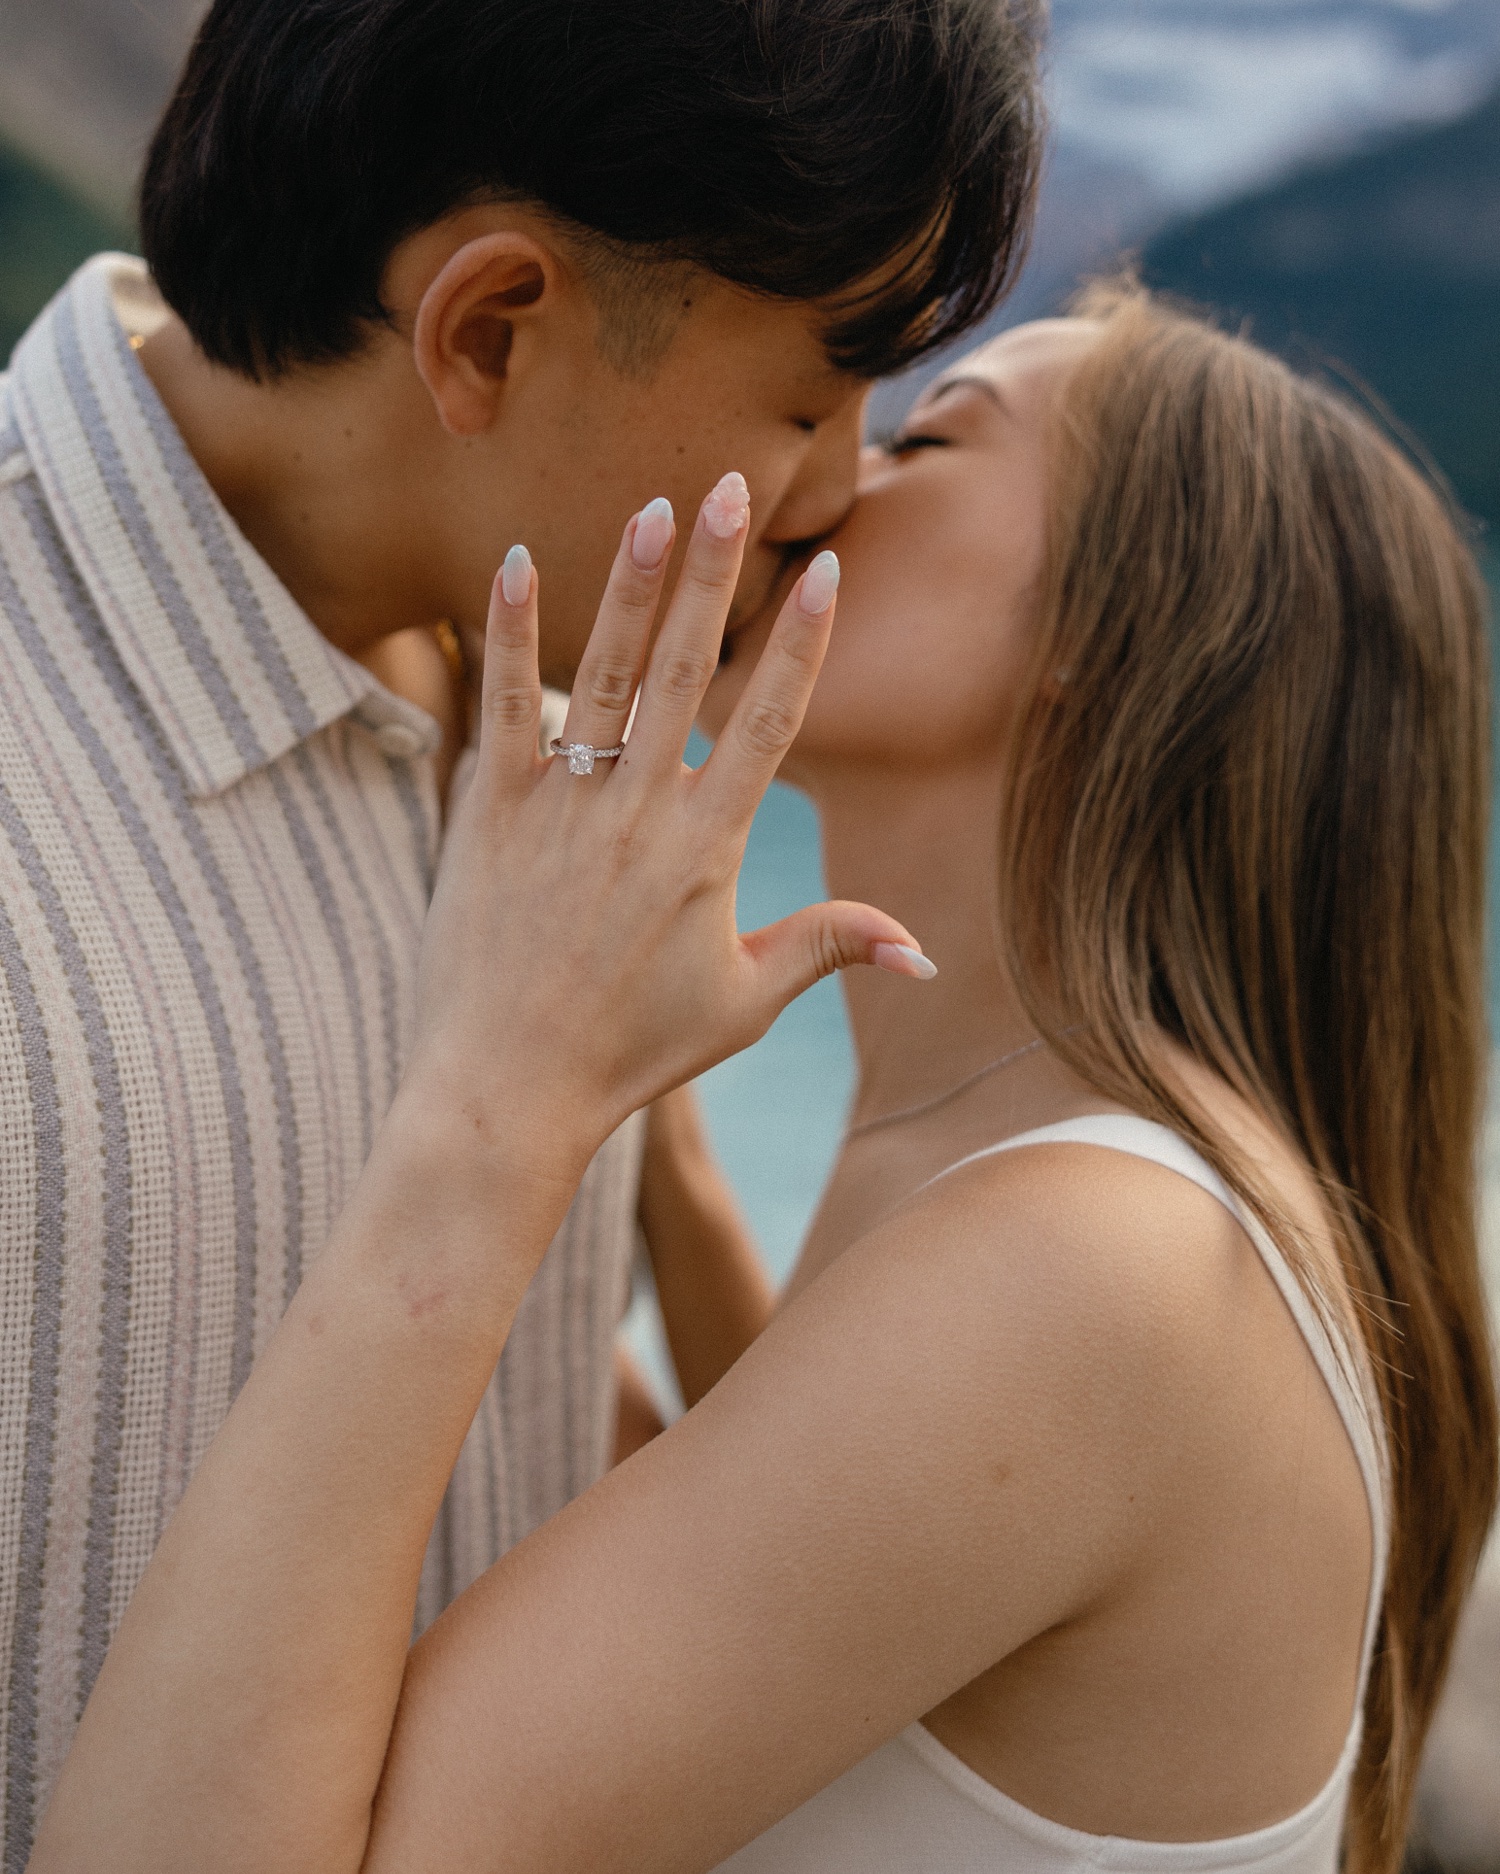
column 942, row 1099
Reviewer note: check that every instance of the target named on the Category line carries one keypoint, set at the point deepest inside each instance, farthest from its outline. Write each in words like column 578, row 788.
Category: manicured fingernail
column 902, row 960
column 819, row 583
column 515, row 577
column 728, row 507
column 653, row 534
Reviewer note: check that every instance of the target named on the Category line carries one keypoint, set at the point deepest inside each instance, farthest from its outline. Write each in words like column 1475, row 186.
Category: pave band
column 581, row 756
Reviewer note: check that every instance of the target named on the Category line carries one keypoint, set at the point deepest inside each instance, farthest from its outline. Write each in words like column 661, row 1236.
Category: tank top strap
column 1344, row 1367
column 1117, row 1132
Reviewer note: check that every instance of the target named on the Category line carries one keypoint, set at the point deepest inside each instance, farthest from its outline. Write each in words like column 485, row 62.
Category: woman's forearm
column 713, row 1289
column 265, row 1648
column 580, row 957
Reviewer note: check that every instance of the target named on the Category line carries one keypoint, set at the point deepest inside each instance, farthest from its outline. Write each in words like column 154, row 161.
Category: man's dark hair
column 795, row 147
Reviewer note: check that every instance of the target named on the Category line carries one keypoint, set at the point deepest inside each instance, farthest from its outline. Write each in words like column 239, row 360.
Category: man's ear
column 466, row 324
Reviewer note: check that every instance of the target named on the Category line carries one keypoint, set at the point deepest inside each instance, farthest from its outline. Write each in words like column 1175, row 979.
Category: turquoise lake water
column 777, row 1110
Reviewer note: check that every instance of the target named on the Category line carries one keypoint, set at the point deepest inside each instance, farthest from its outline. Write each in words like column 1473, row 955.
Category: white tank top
column 912, row 1807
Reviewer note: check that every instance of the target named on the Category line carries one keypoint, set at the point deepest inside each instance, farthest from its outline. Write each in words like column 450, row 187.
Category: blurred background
column 1326, row 170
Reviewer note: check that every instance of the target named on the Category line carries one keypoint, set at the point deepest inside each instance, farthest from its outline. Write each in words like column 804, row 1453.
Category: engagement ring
column 581, row 757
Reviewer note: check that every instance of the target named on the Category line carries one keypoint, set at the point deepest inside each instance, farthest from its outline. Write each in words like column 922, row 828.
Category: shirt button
column 400, row 741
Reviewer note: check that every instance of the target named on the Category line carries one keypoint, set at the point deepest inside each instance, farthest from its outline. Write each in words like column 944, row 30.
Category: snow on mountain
column 1203, row 99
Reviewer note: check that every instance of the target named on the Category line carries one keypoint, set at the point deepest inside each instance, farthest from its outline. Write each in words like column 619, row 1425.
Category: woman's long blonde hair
column 1248, row 806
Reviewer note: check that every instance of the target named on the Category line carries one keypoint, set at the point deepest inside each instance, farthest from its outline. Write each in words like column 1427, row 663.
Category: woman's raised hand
column 581, row 954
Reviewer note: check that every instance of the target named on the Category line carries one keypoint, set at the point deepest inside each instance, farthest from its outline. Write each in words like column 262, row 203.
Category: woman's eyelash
column 903, row 445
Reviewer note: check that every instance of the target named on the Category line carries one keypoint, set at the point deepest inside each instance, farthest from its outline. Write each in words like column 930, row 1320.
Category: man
column 427, row 277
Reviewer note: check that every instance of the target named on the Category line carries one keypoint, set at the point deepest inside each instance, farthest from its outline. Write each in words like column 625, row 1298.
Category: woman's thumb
column 812, row 944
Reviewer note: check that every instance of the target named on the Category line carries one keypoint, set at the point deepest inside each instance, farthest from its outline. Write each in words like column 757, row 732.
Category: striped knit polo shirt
column 217, row 841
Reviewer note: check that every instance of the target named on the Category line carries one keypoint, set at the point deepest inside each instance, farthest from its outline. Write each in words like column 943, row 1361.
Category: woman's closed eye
column 907, row 444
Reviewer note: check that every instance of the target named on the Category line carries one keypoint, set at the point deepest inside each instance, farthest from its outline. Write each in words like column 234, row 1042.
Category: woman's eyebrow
column 972, row 382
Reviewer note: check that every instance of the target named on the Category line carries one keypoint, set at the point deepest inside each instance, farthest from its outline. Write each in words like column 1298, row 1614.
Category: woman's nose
column 872, row 460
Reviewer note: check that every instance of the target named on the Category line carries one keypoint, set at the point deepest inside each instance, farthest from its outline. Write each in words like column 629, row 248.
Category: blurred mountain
column 1162, row 109
column 1385, row 264
column 82, row 82
column 45, row 232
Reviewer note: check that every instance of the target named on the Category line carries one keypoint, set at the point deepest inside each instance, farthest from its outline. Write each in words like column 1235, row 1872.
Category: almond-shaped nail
column 515, row 577
column 653, row 534
column 728, row 507
column 819, row 583
column 902, row 960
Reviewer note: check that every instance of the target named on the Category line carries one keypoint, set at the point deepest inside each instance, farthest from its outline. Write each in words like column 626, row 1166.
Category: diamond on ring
column 581, row 756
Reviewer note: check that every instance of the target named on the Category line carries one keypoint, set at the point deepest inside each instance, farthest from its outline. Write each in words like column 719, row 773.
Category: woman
column 1129, row 1422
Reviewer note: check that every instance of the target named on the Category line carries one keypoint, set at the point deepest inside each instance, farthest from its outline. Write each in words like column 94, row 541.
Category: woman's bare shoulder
column 1098, row 1285
column 1065, row 1225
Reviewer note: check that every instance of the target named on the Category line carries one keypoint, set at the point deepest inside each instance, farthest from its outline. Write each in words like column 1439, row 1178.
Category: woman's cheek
column 909, row 679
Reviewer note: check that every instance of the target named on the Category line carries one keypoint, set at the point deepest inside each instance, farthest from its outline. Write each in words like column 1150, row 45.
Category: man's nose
column 822, row 491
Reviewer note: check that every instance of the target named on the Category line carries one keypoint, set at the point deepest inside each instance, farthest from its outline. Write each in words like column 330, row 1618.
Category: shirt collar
column 232, row 668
